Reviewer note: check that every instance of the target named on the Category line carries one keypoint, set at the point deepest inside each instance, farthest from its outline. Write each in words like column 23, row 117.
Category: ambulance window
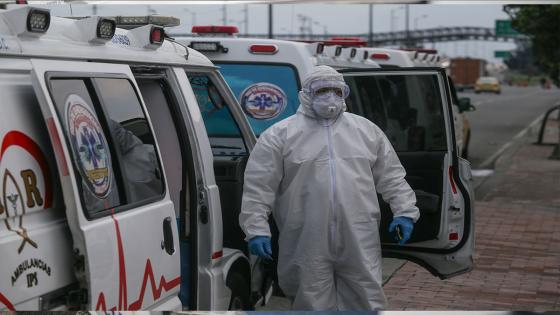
column 267, row 92
column 407, row 107
column 225, row 136
column 133, row 140
column 89, row 144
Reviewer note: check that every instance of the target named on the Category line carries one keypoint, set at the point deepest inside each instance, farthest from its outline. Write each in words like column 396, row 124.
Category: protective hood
column 322, row 74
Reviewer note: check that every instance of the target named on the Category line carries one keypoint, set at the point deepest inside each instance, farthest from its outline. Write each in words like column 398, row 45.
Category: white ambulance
column 103, row 148
column 412, row 105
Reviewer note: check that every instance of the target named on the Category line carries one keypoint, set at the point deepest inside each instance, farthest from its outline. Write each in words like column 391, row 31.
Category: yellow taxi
column 487, row 84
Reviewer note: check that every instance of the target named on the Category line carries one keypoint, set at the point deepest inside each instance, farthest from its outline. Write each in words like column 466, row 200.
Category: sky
column 333, row 18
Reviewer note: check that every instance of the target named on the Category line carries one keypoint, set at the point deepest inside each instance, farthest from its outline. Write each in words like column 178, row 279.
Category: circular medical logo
column 89, row 145
column 263, row 100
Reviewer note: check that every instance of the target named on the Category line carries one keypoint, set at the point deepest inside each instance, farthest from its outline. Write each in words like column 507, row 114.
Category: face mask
column 327, row 106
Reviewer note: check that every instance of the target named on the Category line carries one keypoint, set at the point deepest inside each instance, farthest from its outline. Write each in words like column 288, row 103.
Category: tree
column 542, row 24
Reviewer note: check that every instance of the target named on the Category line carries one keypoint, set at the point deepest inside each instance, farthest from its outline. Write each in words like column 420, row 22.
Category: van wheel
column 240, row 293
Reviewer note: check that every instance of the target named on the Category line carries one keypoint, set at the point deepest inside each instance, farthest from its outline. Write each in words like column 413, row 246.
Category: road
column 498, row 118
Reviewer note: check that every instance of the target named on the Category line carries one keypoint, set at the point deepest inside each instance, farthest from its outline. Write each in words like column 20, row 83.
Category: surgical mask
column 327, row 105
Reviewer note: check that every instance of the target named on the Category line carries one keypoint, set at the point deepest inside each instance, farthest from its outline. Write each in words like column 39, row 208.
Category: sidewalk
column 517, row 251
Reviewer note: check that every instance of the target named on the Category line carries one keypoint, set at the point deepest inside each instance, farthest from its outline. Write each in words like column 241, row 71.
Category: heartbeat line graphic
column 148, row 275
column 4, row 300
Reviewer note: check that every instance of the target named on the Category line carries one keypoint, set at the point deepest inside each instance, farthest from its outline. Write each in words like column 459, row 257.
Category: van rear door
column 120, row 215
column 413, row 107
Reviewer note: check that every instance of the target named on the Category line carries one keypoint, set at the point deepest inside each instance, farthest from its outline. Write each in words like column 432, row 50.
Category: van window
column 112, row 145
column 408, row 108
column 267, row 93
column 223, row 132
column 133, row 139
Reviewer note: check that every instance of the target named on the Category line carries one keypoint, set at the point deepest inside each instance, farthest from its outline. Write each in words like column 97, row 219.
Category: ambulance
column 111, row 187
column 411, row 104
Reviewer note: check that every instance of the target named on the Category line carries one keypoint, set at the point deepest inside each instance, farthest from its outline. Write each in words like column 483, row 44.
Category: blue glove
column 406, row 225
column 260, row 246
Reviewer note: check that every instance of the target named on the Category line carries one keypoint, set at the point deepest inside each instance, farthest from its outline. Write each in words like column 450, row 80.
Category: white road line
column 482, row 172
column 488, row 162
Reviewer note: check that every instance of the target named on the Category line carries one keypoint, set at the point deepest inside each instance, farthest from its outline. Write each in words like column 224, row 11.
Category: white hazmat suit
column 319, row 179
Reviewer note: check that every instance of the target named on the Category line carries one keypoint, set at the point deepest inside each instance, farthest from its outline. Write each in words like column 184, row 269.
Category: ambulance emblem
column 89, row 145
column 263, row 100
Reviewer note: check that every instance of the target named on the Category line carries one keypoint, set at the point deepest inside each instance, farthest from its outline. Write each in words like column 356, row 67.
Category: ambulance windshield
column 267, row 93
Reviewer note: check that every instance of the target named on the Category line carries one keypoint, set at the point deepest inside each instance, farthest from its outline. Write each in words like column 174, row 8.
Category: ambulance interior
column 408, row 108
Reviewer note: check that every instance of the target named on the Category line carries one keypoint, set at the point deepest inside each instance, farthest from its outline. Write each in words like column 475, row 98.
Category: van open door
column 126, row 247
column 413, row 107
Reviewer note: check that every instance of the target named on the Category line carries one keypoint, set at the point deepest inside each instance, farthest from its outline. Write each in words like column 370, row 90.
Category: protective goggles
column 322, row 88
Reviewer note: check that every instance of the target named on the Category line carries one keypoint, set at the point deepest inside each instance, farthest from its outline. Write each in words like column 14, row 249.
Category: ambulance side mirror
column 465, row 105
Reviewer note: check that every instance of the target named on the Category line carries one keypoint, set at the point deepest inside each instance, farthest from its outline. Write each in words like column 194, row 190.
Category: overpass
column 415, row 37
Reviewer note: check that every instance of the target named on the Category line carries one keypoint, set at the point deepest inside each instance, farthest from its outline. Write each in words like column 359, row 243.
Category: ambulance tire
column 240, row 293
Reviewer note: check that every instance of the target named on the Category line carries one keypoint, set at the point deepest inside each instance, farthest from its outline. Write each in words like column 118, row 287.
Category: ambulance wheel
column 240, row 293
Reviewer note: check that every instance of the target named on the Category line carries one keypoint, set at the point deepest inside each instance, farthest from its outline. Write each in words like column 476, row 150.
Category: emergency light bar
column 208, row 47
column 28, row 21
column 129, row 22
column 211, row 29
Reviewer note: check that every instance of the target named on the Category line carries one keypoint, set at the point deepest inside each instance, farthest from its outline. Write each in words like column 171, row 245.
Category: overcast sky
column 335, row 18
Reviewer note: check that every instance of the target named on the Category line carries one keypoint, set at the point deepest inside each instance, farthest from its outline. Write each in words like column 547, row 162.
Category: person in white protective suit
column 317, row 172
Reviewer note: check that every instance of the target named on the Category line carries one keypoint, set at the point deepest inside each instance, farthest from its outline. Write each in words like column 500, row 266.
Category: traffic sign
column 502, row 53
column 504, row 28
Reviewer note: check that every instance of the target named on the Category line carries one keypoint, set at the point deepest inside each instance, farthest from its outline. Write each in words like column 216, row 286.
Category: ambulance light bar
column 208, row 47
column 129, row 22
column 211, row 29
column 263, row 49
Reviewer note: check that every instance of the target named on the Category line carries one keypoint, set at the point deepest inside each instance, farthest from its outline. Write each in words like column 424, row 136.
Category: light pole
column 193, row 15
column 393, row 17
column 423, row 16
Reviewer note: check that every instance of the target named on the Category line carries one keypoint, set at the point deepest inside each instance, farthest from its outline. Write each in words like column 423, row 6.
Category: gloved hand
column 406, row 226
column 261, row 246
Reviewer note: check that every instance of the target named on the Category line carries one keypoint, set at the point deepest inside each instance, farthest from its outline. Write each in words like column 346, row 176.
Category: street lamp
column 193, row 15
column 393, row 16
column 423, row 16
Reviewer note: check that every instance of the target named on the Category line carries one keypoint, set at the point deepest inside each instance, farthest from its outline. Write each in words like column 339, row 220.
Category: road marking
column 482, row 172
column 488, row 162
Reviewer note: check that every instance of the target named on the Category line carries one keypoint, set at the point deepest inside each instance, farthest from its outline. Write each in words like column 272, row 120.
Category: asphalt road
column 499, row 118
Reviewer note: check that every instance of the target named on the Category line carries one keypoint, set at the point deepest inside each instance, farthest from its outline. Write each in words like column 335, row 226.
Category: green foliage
column 542, row 24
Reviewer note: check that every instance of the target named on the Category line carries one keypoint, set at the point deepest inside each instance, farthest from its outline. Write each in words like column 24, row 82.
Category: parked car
column 487, row 84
